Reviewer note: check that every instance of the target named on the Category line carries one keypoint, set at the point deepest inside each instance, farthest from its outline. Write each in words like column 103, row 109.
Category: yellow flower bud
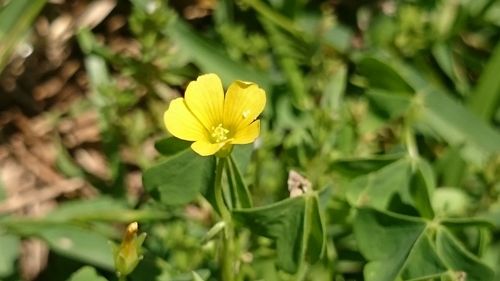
column 129, row 253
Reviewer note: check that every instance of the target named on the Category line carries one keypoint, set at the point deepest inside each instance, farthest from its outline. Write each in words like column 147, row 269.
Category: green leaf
column 463, row 222
column 451, row 167
column 16, row 18
column 377, row 188
column 359, row 166
column 179, row 179
column 485, row 98
column 333, row 94
column 282, row 221
column 86, row 273
column 453, row 122
column 10, row 245
column 242, row 155
column 395, row 246
column 443, row 53
column 423, row 262
column 436, row 111
column 69, row 240
column 78, row 209
column 421, row 189
column 390, row 104
column 493, row 217
column 296, row 226
column 100, row 209
column 382, row 31
column 339, row 37
column 459, row 259
column 209, row 57
column 380, row 75
column 491, row 12
column 240, row 195
column 275, row 17
column 288, row 58
column 196, row 276
column 171, row 145
column 79, row 243
column 401, row 247
column 316, row 237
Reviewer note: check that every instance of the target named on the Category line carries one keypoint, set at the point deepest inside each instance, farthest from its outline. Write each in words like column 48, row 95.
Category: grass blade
column 15, row 19
column 485, row 97
column 208, row 56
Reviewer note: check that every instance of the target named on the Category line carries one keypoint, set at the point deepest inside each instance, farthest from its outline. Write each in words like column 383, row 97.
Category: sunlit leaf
column 180, row 179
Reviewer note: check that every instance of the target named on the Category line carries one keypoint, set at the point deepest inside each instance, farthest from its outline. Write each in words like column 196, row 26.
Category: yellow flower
column 214, row 121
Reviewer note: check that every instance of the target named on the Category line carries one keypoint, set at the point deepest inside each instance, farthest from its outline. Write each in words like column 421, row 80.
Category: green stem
column 227, row 259
column 219, row 193
column 302, row 272
column 273, row 16
column 409, row 134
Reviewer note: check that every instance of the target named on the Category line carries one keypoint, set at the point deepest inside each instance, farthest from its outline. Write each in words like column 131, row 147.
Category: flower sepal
column 225, row 151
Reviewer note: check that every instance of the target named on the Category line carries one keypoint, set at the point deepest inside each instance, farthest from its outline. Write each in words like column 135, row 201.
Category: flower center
column 219, row 133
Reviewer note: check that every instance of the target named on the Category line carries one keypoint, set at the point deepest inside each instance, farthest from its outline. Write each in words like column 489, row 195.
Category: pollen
column 219, row 133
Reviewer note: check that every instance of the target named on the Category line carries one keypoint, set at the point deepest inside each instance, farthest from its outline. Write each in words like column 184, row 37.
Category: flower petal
column 181, row 123
column 243, row 103
column 248, row 134
column 205, row 148
column 205, row 98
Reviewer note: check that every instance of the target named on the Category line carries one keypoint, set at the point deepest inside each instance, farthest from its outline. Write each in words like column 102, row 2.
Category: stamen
column 219, row 133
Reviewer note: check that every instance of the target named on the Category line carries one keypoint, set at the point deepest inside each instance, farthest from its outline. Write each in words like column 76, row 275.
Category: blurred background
column 84, row 84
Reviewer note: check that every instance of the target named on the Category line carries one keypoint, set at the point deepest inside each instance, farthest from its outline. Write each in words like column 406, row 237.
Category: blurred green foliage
column 389, row 108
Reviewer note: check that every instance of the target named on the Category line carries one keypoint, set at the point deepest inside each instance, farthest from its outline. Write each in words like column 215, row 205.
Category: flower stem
column 226, row 258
